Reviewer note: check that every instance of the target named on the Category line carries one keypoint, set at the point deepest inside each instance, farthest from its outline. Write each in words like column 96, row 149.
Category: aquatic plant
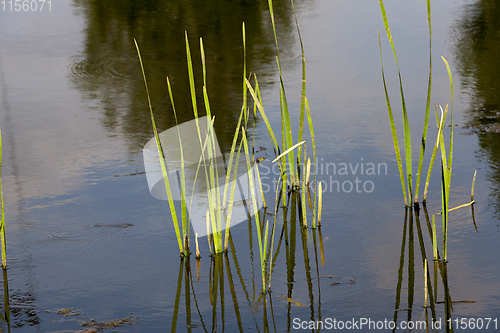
column 2, row 222
column 407, row 176
column 220, row 203
column 162, row 163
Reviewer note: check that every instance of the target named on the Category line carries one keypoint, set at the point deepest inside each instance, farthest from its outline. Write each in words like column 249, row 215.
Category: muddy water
column 83, row 231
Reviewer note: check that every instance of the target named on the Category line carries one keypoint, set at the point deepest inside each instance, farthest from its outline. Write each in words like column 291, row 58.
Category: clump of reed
column 292, row 157
column 2, row 222
column 407, row 175
column 446, row 156
column 220, row 205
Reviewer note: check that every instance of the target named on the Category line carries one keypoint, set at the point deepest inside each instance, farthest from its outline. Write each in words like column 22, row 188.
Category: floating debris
column 292, row 301
column 99, row 326
column 132, row 174
column 68, row 312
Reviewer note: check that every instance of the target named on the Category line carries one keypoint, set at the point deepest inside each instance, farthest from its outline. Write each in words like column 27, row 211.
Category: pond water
column 84, row 232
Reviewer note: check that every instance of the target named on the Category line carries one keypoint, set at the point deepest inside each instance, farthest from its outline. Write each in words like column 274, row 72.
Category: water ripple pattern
column 81, row 68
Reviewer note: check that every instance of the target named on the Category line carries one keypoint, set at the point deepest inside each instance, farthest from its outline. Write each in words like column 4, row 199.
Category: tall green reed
column 407, row 176
column 2, row 222
column 163, row 166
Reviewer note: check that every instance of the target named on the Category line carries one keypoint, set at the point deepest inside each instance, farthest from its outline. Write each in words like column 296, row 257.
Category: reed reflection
column 435, row 273
column 235, row 300
column 5, row 316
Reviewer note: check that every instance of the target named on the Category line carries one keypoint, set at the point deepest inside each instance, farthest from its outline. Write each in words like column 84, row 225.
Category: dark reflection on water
column 477, row 51
column 108, row 69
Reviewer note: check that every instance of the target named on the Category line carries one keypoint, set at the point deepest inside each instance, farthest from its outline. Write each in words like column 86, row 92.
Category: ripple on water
column 86, row 236
column 83, row 69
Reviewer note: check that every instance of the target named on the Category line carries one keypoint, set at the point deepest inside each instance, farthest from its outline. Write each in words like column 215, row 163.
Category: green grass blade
column 2, row 225
column 185, row 225
column 236, row 133
column 406, row 125
column 445, row 185
column 214, row 174
column 472, row 187
column 444, row 207
column 258, row 102
column 311, row 130
column 439, row 140
column 286, row 131
column 442, row 144
column 203, row 63
column 289, row 150
column 393, row 128
column 245, row 97
column 303, row 91
column 427, row 107
column 285, row 116
column 303, row 190
column 191, row 77
column 160, row 156
column 450, row 153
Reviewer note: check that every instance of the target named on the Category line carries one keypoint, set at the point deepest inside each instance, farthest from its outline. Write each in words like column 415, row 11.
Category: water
column 83, row 231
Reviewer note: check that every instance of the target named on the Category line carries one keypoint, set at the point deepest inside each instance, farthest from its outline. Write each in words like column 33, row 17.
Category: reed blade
column 191, row 77
column 245, row 97
column 450, row 153
column 439, row 139
column 406, row 125
column 303, row 90
column 161, row 157
column 303, row 190
column 2, row 222
column 260, row 107
column 427, row 108
column 289, row 150
column 185, row 224
column 393, row 128
column 471, row 190
column 286, row 130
